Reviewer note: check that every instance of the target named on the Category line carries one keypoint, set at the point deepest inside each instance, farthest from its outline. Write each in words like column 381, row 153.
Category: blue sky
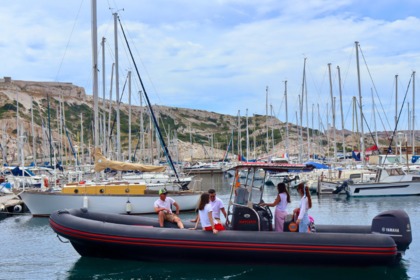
column 221, row 55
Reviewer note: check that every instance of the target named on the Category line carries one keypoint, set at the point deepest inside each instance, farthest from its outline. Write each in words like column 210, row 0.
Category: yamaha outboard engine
column 396, row 224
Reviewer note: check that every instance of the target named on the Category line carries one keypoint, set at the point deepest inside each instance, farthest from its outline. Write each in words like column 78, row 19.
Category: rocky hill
column 189, row 133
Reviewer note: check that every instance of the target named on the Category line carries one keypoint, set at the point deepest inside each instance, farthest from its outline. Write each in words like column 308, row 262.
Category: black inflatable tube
column 137, row 237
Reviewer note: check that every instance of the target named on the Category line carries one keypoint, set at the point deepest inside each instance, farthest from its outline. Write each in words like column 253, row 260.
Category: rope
column 58, row 236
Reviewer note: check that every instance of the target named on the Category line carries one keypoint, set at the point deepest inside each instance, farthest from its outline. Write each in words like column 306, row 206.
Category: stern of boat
column 396, row 224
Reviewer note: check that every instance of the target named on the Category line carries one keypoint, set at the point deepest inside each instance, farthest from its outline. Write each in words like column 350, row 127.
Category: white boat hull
column 384, row 189
column 44, row 203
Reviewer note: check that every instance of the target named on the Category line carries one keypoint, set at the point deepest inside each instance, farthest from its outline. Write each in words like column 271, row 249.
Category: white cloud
column 220, row 55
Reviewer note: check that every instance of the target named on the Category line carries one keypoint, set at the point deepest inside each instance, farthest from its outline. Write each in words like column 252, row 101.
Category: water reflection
column 91, row 268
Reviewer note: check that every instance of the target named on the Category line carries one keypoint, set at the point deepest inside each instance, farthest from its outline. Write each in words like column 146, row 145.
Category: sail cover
column 101, row 163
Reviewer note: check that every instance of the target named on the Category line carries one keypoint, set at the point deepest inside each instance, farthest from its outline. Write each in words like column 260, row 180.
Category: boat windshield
column 395, row 172
column 248, row 189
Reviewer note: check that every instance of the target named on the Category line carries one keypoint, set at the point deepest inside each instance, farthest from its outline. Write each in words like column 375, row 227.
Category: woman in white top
column 205, row 215
column 281, row 201
column 305, row 204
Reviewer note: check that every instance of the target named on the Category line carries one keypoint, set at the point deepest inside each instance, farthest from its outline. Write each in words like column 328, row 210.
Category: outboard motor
column 396, row 224
column 340, row 188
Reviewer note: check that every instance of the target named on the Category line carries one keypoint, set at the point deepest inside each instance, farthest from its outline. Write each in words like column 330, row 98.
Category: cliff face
column 60, row 107
column 39, row 90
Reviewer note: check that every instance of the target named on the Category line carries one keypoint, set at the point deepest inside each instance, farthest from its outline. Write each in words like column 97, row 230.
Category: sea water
column 29, row 249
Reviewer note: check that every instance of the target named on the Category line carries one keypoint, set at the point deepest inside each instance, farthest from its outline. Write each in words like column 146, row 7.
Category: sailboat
column 118, row 197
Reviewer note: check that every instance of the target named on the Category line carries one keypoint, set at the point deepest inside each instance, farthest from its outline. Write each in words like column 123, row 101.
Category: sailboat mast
column 82, row 150
column 109, row 142
column 287, row 118
column 301, row 111
column 355, row 122
column 362, row 139
column 332, row 112
column 247, row 136
column 142, row 146
column 341, row 111
column 17, row 118
column 319, row 129
column 33, row 131
column 307, row 121
column 313, row 134
column 266, row 117
column 103, row 95
column 414, row 118
column 272, row 128
column 298, row 130
column 374, row 118
column 117, row 87
column 49, row 130
column 129, row 117
column 396, row 109
column 396, row 100
column 239, row 134
column 301, row 127
column 95, row 71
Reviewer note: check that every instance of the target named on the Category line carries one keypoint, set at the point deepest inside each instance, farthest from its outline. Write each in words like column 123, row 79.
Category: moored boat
column 42, row 204
column 389, row 181
column 118, row 197
column 11, row 204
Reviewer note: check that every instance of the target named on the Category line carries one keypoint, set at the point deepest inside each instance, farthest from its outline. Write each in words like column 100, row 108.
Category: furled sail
column 101, row 163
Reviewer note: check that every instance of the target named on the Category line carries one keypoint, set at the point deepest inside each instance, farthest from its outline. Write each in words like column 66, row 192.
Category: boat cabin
column 394, row 174
column 244, row 211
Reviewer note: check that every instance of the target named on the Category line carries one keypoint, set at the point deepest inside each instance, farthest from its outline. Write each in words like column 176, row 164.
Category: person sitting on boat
column 205, row 215
column 217, row 206
column 305, row 204
column 163, row 207
column 281, row 202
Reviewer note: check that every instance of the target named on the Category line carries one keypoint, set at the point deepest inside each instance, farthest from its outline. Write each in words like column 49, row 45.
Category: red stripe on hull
column 227, row 246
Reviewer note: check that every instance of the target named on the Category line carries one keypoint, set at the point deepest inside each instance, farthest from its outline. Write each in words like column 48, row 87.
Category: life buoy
column 46, row 182
column 293, row 227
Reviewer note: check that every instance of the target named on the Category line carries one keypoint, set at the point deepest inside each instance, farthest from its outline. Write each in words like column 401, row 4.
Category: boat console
column 257, row 218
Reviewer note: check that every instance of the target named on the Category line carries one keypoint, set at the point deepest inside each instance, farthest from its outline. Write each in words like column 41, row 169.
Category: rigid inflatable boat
column 140, row 238
column 249, row 236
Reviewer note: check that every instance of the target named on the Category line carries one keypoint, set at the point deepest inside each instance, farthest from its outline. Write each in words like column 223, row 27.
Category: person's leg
column 161, row 217
column 277, row 220
column 178, row 221
column 303, row 225
column 280, row 219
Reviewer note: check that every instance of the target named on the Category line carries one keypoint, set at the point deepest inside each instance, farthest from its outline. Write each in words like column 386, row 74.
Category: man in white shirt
column 217, row 205
column 163, row 207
